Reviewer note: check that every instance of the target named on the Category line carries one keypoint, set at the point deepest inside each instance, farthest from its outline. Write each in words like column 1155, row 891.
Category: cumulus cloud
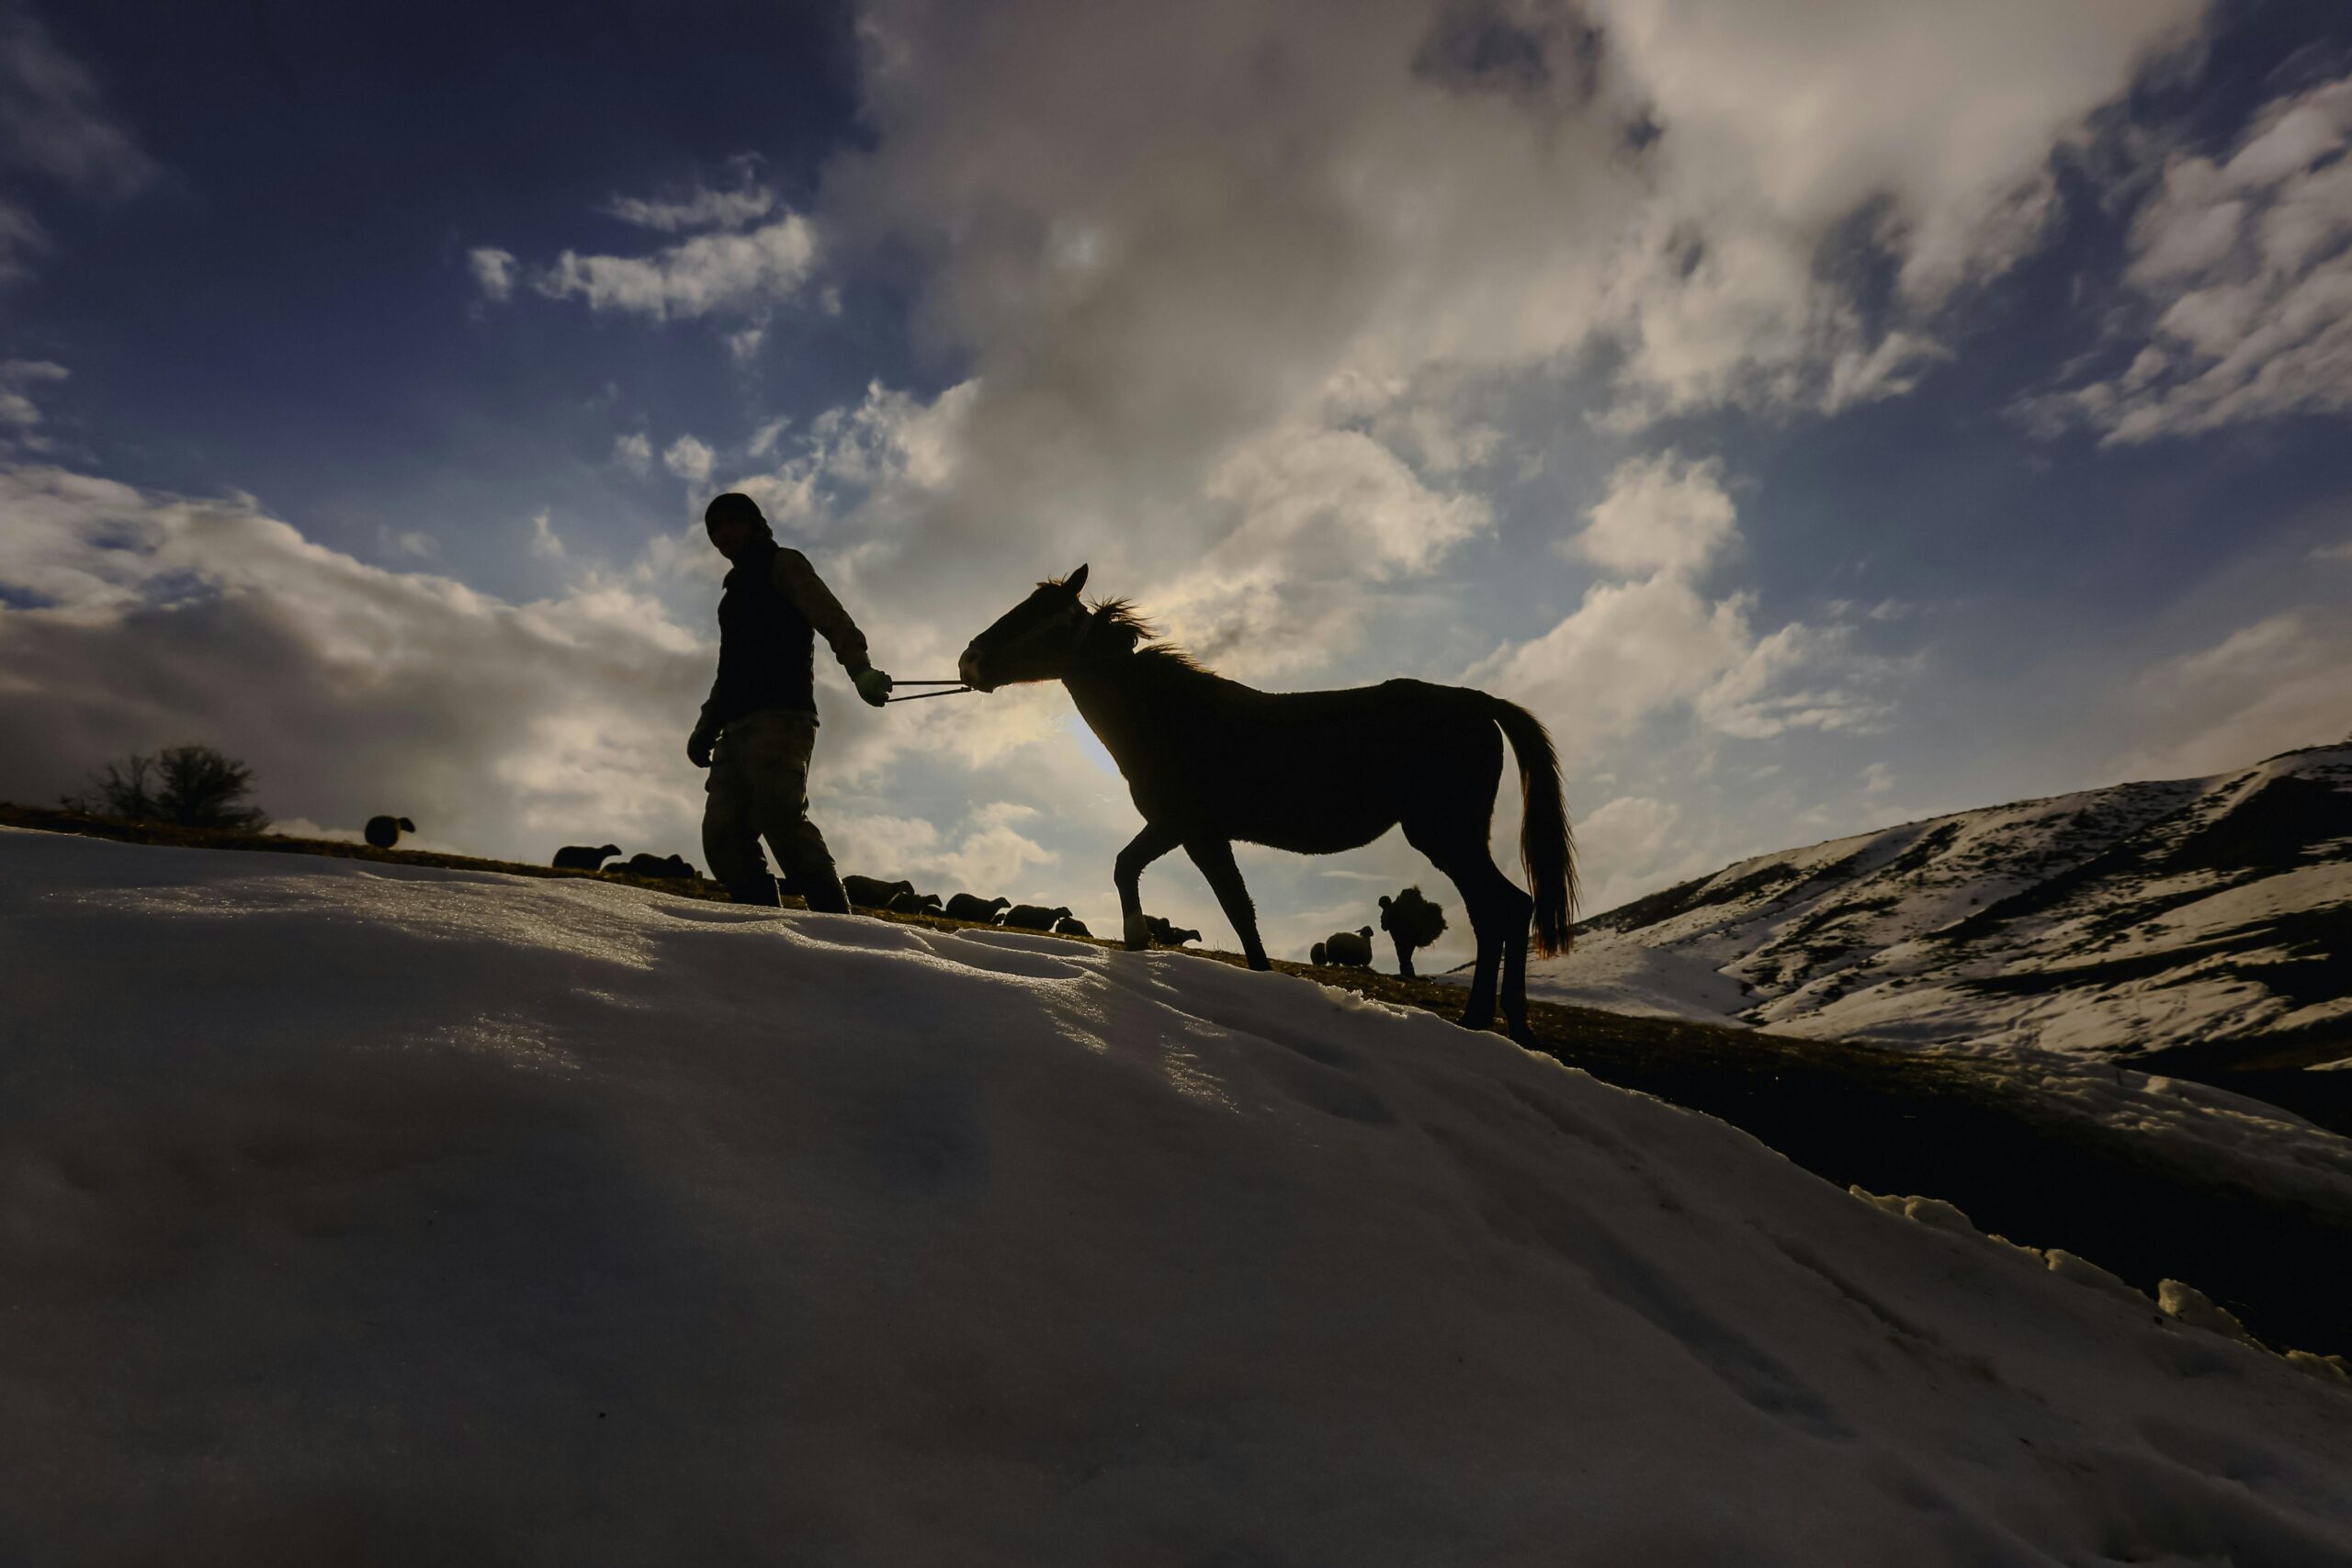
column 1661, row 514
column 634, row 452
column 545, row 543
column 136, row 620
column 1242, row 291
column 2268, row 687
column 2240, row 283
column 1234, row 332
column 688, row 458
column 1394, row 187
column 881, row 459
column 493, row 271
column 1635, row 649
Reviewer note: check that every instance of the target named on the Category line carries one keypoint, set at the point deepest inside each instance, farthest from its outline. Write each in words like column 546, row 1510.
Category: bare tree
column 188, row 787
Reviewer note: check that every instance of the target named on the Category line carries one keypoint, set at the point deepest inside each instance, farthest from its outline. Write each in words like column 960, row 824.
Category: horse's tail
column 1547, row 851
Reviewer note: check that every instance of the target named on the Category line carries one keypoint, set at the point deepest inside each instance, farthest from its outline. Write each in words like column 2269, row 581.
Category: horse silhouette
column 1209, row 761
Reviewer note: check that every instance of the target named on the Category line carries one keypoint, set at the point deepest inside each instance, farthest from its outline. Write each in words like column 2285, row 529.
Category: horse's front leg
column 1146, row 847
column 1214, row 857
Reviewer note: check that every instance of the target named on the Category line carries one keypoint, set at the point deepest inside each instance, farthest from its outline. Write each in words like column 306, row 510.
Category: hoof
column 1137, row 932
column 1479, row 1021
column 1259, row 965
column 1522, row 1035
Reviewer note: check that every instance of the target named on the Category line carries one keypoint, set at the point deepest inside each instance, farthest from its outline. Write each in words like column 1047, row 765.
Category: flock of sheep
column 900, row 898
column 1412, row 920
column 582, row 857
column 383, row 832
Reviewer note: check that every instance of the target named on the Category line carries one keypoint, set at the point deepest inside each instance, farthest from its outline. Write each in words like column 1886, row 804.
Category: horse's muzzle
column 970, row 671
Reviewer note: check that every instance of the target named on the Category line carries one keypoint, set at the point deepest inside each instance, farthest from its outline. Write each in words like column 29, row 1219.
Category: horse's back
column 1322, row 771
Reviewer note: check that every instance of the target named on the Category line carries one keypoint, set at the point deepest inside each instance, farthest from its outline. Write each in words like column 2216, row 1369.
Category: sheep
column 580, row 857
column 1032, row 918
column 1410, row 921
column 668, row 866
column 1344, row 950
column 971, row 906
column 1166, row 933
column 1070, row 925
column 872, row 893
column 913, row 903
column 385, row 831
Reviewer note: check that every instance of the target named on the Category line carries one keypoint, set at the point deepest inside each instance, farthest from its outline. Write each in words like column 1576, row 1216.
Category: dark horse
column 1209, row 761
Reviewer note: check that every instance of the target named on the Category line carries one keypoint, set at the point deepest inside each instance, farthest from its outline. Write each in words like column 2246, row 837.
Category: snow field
column 367, row 1214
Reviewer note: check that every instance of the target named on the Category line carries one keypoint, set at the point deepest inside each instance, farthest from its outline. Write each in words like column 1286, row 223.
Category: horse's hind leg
column 1500, row 915
column 1214, row 857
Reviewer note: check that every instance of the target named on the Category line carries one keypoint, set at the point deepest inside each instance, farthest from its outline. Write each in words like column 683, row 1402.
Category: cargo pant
column 758, row 788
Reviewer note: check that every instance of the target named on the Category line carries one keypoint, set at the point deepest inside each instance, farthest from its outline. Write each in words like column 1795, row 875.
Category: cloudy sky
column 1822, row 412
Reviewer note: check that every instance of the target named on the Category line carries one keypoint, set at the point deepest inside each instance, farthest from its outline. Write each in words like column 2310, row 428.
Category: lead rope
column 959, row 689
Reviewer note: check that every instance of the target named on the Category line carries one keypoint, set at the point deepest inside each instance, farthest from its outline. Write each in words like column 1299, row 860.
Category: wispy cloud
column 700, row 206
column 2240, row 284
column 55, row 128
column 2266, row 687
column 19, row 413
column 722, row 274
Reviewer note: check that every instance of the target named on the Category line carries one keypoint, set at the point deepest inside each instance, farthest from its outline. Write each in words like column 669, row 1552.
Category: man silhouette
column 760, row 724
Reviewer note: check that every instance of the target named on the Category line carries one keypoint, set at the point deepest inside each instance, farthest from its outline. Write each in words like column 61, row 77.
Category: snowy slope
column 368, row 1214
column 2215, row 912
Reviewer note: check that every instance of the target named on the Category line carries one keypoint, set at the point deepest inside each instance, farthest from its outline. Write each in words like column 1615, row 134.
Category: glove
column 872, row 685
column 698, row 747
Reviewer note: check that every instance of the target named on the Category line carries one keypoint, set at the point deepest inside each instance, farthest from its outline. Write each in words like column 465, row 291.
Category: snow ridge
column 374, row 1214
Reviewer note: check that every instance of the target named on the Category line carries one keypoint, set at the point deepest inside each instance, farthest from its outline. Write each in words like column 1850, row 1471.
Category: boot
column 821, row 891
column 760, row 890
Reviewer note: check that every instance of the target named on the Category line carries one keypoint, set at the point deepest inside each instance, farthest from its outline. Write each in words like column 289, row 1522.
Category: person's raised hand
column 872, row 685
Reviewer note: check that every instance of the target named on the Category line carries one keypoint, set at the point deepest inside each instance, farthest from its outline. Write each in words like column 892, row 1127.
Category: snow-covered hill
column 2215, row 912
column 369, row 1215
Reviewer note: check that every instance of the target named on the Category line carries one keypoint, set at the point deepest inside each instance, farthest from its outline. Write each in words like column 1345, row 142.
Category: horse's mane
column 1121, row 615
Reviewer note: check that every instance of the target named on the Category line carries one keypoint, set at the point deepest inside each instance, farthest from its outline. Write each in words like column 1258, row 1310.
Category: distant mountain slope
column 2208, row 915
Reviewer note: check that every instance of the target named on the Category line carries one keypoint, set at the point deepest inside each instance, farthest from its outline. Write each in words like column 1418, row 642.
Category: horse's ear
column 1074, row 582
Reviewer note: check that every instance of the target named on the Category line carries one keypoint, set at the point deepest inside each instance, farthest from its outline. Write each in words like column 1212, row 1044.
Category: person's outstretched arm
column 800, row 585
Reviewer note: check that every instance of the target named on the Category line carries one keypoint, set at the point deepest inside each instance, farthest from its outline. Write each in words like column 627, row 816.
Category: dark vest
column 766, row 647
